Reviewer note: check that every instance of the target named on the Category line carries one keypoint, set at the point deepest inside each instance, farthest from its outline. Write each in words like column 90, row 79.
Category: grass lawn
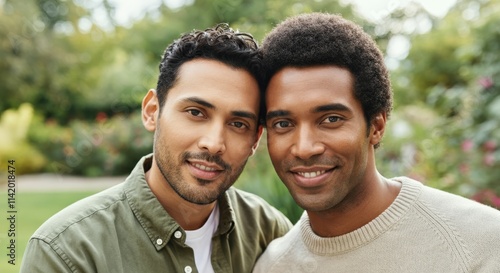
column 33, row 208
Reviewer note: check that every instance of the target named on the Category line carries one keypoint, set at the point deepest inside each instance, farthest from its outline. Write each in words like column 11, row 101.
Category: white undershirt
column 200, row 241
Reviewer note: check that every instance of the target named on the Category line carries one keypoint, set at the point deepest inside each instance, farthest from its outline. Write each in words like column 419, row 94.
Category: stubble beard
column 199, row 194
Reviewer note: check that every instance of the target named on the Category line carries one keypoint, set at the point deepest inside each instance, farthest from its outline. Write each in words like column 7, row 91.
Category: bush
column 108, row 146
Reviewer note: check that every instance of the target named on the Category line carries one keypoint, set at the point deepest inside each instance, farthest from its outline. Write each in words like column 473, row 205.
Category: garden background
column 72, row 79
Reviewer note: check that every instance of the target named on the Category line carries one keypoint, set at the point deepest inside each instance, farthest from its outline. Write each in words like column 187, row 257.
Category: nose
column 213, row 140
column 306, row 144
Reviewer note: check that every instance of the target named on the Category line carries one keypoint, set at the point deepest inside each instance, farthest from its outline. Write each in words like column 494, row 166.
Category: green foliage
column 454, row 71
column 437, row 51
column 406, row 134
column 35, row 57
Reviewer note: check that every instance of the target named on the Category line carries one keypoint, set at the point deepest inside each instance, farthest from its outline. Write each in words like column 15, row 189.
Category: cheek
column 346, row 139
column 276, row 148
column 177, row 137
column 170, row 135
column 240, row 149
column 351, row 147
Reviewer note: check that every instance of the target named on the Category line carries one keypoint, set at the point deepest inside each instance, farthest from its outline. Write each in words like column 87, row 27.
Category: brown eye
column 238, row 124
column 282, row 124
column 195, row 112
column 332, row 119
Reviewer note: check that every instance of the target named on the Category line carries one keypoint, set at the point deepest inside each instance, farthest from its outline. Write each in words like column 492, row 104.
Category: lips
column 308, row 177
column 204, row 170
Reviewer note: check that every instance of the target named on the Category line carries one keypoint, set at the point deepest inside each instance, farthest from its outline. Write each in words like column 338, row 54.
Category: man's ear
column 377, row 128
column 150, row 110
column 257, row 140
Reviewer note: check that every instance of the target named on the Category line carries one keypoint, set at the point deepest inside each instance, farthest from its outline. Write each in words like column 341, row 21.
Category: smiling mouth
column 311, row 174
column 204, row 168
column 205, row 171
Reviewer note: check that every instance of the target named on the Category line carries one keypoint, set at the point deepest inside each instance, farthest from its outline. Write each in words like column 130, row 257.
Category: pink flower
column 467, row 145
column 487, row 196
column 496, row 202
column 490, row 146
column 485, row 82
column 489, row 159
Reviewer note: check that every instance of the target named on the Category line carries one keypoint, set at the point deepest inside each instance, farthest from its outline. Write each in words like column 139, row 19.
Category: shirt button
column 188, row 269
column 159, row 241
column 178, row 235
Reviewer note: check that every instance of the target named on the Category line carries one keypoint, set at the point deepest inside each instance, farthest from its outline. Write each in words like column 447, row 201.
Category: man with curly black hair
column 328, row 98
column 177, row 211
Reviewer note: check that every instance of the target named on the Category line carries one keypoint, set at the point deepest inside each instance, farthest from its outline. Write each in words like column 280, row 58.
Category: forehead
column 216, row 82
column 294, row 88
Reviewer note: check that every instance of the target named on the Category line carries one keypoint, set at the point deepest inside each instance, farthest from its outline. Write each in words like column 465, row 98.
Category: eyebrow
column 331, row 107
column 202, row 102
column 244, row 114
column 319, row 109
column 277, row 113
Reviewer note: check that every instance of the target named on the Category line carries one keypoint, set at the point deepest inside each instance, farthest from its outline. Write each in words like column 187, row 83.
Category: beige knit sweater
column 424, row 230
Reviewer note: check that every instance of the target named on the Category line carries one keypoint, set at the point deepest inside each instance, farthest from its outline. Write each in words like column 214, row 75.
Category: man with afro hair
column 328, row 98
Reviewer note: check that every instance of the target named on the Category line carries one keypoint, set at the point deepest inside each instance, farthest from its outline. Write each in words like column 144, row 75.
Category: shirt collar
column 227, row 216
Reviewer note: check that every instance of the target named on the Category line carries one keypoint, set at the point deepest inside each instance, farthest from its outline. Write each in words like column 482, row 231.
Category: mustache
column 314, row 160
column 206, row 157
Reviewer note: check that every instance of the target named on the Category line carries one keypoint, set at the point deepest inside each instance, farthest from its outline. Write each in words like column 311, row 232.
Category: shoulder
column 472, row 226
column 283, row 252
column 455, row 206
column 451, row 206
column 99, row 205
column 465, row 214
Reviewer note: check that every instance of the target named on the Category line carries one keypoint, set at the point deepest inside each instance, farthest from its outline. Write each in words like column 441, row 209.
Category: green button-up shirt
column 126, row 229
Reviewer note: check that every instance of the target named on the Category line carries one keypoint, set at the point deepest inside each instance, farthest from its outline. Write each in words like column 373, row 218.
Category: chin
column 309, row 203
column 313, row 207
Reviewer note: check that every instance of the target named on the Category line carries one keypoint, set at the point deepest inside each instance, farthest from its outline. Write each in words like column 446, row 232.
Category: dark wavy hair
column 327, row 39
column 220, row 43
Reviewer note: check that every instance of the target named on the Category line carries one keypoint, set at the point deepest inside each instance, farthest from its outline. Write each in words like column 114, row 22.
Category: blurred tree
column 433, row 59
column 19, row 33
column 154, row 32
column 35, row 55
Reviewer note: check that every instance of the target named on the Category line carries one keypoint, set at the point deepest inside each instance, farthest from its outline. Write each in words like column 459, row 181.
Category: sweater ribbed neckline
column 340, row 244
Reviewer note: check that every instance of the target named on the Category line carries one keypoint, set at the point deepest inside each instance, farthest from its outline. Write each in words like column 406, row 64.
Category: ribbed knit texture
column 424, row 230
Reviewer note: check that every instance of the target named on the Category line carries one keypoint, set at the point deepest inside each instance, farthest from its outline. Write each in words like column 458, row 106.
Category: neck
column 365, row 203
column 188, row 215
